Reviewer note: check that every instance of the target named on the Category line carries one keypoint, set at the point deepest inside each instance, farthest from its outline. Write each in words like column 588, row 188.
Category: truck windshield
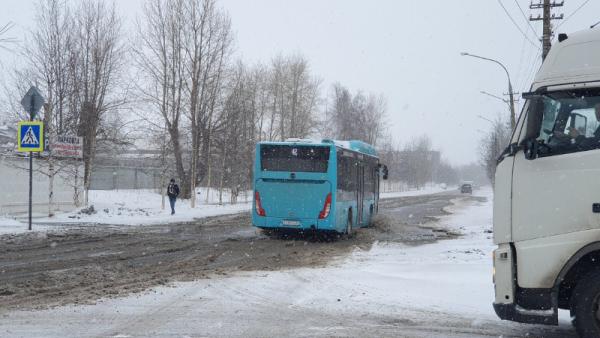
column 293, row 158
column 567, row 120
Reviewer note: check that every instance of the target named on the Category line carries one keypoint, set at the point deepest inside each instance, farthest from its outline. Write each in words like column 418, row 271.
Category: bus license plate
column 291, row 223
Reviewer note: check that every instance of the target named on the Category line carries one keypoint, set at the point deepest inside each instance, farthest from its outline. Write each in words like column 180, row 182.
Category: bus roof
column 354, row 145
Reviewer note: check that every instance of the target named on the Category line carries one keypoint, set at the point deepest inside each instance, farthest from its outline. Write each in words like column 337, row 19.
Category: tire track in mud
column 83, row 265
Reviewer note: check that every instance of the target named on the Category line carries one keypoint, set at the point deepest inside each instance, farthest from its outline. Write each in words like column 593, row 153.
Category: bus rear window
column 294, row 158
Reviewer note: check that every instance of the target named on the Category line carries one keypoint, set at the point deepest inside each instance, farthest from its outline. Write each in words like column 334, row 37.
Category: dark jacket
column 173, row 190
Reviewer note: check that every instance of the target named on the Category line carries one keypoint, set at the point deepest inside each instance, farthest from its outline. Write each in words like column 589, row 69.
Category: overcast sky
column 408, row 51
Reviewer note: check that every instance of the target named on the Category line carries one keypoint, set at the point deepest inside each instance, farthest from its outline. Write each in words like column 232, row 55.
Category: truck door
column 554, row 195
column 502, row 201
column 555, row 191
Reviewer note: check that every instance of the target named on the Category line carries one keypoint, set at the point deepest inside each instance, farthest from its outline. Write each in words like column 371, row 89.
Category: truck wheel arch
column 581, row 263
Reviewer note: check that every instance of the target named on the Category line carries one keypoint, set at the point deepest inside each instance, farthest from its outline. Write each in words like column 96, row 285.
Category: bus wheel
column 349, row 224
column 585, row 306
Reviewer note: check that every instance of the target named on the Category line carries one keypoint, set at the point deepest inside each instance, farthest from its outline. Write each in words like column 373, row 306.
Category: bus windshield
column 294, row 158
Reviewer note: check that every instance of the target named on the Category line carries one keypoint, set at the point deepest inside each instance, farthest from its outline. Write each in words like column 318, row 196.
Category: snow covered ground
column 429, row 189
column 131, row 207
column 143, row 207
column 443, row 289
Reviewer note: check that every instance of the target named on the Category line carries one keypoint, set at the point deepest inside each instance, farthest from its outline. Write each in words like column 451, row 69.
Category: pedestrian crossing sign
column 30, row 136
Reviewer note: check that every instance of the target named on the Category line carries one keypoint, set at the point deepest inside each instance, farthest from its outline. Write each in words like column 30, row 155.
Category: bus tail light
column 259, row 209
column 326, row 207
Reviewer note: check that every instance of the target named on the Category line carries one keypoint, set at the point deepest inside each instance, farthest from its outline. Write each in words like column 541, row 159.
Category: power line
column 521, row 59
column 522, row 74
column 526, row 18
column 530, row 71
column 532, row 60
column 574, row 12
column 546, row 6
column 533, row 71
column 517, row 26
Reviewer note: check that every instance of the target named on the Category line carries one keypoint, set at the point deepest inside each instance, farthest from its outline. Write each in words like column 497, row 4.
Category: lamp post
column 510, row 88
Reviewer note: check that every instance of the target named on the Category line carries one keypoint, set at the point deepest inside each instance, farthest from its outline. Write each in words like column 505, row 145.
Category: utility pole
column 547, row 18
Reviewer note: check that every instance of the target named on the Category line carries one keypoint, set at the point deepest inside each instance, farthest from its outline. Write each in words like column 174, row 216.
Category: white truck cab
column 547, row 194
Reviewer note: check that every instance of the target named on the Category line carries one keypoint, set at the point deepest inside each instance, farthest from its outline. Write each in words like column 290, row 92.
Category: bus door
column 360, row 195
column 375, row 173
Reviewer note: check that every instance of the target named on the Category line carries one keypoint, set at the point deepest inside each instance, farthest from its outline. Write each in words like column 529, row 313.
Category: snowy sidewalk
column 129, row 208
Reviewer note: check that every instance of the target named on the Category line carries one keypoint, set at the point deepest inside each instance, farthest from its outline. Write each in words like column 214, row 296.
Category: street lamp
column 510, row 88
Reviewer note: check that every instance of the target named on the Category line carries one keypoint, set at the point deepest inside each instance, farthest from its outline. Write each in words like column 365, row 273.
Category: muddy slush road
column 82, row 265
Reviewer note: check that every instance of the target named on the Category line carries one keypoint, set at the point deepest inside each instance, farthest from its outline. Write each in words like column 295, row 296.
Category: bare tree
column 74, row 55
column 49, row 56
column 100, row 52
column 356, row 117
column 183, row 54
column 340, row 124
column 416, row 162
column 5, row 40
column 208, row 46
column 492, row 146
column 294, row 98
column 161, row 62
column 238, row 133
column 446, row 173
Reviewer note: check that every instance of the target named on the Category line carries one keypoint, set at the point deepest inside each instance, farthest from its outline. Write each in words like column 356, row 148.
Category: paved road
column 85, row 265
column 82, row 265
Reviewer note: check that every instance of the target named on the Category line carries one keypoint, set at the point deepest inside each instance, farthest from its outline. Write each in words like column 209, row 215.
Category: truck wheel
column 585, row 306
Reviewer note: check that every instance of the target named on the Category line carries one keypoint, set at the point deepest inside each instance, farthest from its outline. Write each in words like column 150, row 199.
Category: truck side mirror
column 511, row 150
column 531, row 149
column 385, row 172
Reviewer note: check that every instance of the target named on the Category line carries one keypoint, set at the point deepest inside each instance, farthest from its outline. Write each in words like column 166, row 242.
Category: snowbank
column 142, row 207
column 11, row 226
column 130, row 207
column 431, row 189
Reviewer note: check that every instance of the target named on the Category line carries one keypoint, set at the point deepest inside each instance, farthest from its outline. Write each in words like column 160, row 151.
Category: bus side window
column 354, row 175
column 372, row 177
column 344, row 176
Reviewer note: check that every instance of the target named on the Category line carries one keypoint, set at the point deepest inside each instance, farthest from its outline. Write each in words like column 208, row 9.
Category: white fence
column 393, row 186
column 14, row 187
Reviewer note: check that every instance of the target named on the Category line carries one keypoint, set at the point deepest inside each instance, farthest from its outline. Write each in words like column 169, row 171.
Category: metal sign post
column 30, row 135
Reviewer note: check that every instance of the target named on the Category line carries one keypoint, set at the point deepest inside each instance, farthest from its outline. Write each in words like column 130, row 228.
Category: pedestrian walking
column 172, row 192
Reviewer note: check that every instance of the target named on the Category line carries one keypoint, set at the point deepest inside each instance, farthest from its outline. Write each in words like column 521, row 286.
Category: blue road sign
column 30, row 136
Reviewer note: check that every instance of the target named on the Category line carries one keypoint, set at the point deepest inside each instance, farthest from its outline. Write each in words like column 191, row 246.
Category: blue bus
column 323, row 185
